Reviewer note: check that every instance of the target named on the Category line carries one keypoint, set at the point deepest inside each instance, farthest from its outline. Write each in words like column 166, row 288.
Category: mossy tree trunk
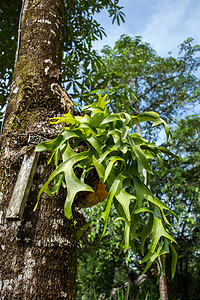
column 38, row 253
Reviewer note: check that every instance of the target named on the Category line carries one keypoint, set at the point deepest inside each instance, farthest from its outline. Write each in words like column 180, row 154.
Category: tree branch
column 160, row 82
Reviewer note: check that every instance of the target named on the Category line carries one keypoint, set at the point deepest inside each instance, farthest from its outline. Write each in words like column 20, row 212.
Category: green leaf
column 150, row 210
column 136, row 136
column 166, row 127
column 126, row 235
column 126, row 118
column 141, row 159
column 124, row 199
column 166, row 151
column 96, row 119
column 88, row 128
column 68, row 119
column 143, row 192
column 146, row 233
column 74, row 185
column 116, row 135
column 110, row 119
column 152, row 258
column 95, row 143
column 102, row 101
column 58, row 141
column 50, row 145
column 99, row 168
column 158, row 232
column 57, row 182
column 124, row 132
column 114, row 189
column 107, row 152
column 112, row 160
column 145, row 117
column 161, row 163
column 174, row 260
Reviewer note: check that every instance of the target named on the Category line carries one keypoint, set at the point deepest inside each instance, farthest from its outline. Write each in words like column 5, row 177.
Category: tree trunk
column 38, row 253
column 162, row 282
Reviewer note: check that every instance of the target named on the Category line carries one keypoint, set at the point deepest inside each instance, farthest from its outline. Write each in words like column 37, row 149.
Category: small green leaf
column 107, row 152
column 124, row 132
column 114, row 189
column 74, row 185
column 126, row 118
column 110, row 119
column 146, row 233
column 166, row 127
column 145, row 117
column 57, row 182
column 124, row 199
column 95, row 143
column 112, row 161
column 174, row 260
column 150, row 210
column 152, row 258
column 141, row 159
column 161, row 163
column 99, row 167
column 50, row 145
column 166, row 151
column 158, row 232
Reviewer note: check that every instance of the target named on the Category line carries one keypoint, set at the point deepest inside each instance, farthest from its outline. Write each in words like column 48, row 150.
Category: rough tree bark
column 162, row 283
column 38, row 253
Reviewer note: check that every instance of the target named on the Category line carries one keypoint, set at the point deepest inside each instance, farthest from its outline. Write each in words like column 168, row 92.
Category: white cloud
column 171, row 23
column 164, row 24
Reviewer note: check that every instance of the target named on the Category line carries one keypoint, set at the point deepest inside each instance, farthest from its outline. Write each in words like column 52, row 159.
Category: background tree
column 101, row 260
column 180, row 188
column 137, row 79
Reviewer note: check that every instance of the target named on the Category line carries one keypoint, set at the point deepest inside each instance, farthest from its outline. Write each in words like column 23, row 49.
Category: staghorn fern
column 119, row 156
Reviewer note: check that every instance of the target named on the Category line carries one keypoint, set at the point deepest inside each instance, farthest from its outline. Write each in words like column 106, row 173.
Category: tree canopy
column 137, row 79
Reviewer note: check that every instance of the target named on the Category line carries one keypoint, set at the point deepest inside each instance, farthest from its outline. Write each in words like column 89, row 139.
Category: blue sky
column 164, row 24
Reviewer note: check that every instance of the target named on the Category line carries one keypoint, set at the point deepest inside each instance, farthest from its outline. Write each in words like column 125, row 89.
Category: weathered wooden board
column 22, row 187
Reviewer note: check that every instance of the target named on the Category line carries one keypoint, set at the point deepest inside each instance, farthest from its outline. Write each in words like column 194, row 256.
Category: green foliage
column 179, row 188
column 9, row 17
column 119, row 156
column 137, row 79
column 80, row 30
column 120, row 295
column 101, row 260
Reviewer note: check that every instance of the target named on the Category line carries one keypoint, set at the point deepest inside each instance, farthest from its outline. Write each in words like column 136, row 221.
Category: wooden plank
column 22, row 187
